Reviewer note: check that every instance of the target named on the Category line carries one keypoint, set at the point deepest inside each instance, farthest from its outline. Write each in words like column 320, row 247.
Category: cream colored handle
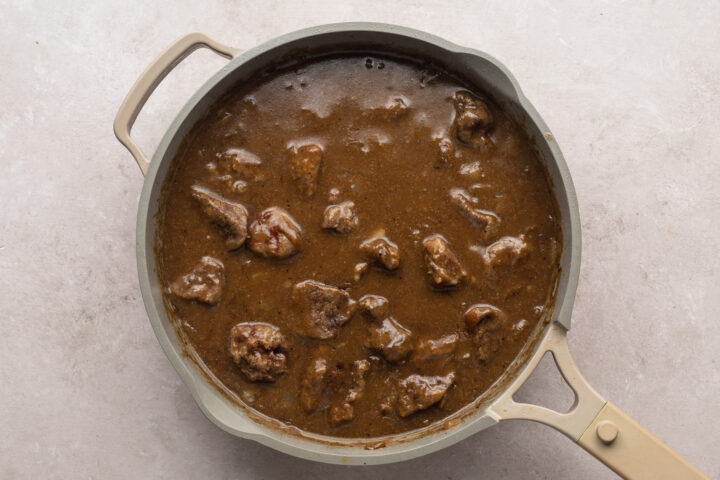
column 150, row 79
column 596, row 424
column 631, row 451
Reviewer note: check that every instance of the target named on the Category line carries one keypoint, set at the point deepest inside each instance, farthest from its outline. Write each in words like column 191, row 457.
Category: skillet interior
column 477, row 70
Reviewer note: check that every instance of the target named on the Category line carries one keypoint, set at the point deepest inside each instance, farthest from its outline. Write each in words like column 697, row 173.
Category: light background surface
column 630, row 90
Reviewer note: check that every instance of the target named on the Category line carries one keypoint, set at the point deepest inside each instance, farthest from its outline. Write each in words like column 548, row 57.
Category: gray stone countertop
column 630, row 90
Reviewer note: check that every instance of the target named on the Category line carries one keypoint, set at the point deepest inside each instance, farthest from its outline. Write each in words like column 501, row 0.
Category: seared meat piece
column 467, row 206
column 313, row 384
column 443, row 266
column 374, row 306
column 304, row 164
column 484, row 322
column 341, row 217
column 436, row 348
column 259, row 350
column 231, row 217
column 418, row 392
column 274, row 233
column 204, row 283
column 382, row 251
column 391, row 340
column 472, row 118
column 505, row 251
column 345, row 411
column 320, row 309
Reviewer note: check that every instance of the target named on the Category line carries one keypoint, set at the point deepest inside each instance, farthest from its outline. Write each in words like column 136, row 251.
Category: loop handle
column 594, row 423
column 150, row 79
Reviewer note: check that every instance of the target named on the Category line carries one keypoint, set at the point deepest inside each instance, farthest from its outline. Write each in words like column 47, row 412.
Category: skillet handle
column 150, row 79
column 594, row 423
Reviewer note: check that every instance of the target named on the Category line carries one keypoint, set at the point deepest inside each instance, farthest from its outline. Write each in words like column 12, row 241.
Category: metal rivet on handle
column 606, row 431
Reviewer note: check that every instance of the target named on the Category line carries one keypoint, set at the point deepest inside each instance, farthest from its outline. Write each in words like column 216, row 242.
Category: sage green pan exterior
column 487, row 74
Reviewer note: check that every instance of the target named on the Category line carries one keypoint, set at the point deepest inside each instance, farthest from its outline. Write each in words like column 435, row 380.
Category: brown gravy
column 359, row 246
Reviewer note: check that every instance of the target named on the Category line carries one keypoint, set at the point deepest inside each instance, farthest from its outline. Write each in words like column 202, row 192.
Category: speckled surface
column 630, row 92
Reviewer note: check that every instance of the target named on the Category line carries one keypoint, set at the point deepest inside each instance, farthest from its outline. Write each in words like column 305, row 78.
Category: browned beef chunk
column 472, row 118
column 259, row 350
column 374, row 306
column 341, row 217
column 304, row 164
column 418, row 392
column 204, row 283
column 345, row 411
column 313, row 384
column 443, row 266
column 484, row 323
column 468, row 207
column 382, row 251
column 231, row 217
column 391, row 340
column 274, row 233
column 436, row 348
column 320, row 309
column 505, row 251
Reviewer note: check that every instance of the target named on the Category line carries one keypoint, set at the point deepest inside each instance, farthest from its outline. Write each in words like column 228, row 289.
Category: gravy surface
column 359, row 246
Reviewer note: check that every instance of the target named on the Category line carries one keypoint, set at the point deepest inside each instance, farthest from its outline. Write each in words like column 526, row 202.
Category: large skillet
column 597, row 425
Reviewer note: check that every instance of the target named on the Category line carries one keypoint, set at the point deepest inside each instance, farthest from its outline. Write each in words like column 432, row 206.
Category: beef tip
column 345, row 411
column 321, row 309
column 443, row 266
column 246, row 164
column 418, row 392
column 381, row 250
column 374, row 306
column 436, row 348
column 304, row 164
column 391, row 340
column 274, row 233
column 313, row 384
column 472, row 118
column 505, row 251
column 485, row 323
column 231, row 217
column 204, row 283
column 467, row 206
column 259, row 350
column 341, row 217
